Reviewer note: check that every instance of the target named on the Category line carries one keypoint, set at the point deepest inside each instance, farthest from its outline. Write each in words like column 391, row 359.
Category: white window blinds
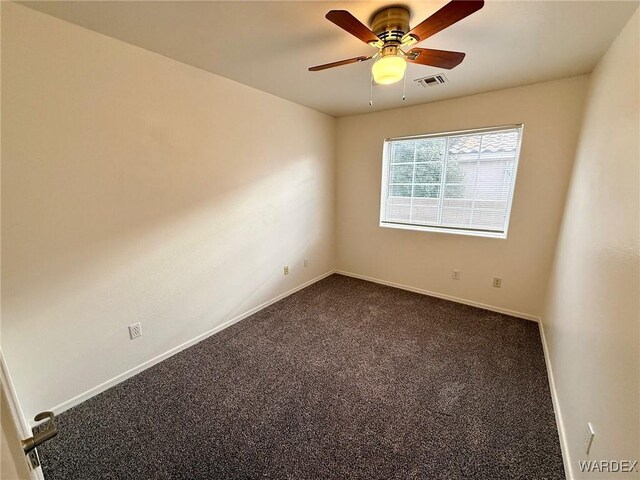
column 460, row 182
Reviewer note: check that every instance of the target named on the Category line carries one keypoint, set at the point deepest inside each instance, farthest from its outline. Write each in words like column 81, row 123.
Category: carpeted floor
column 344, row 379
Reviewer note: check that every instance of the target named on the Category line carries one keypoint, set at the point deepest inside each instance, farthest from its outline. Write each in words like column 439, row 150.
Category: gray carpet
column 344, row 379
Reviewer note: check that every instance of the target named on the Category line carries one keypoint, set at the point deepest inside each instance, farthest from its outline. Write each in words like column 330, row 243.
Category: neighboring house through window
column 456, row 182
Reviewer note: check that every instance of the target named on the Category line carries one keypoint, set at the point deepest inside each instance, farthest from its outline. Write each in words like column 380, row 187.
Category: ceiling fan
column 391, row 35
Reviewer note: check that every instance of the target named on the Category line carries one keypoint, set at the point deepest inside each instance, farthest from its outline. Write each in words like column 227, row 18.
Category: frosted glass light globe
column 389, row 69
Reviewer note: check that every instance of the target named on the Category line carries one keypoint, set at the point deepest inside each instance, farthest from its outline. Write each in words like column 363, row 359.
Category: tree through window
column 461, row 181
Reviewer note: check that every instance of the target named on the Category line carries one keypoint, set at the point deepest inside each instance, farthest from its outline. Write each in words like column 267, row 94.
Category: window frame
column 386, row 166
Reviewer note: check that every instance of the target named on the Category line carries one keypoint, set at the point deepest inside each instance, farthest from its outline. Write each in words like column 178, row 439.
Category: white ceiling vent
column 432, row 80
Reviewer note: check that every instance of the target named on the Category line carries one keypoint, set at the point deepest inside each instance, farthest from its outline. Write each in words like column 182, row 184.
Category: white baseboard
column 163, row 356
column 513, row 313
column 556, row 407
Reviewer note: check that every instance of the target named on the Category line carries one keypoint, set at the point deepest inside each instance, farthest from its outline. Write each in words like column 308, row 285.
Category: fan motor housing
column 391, row 23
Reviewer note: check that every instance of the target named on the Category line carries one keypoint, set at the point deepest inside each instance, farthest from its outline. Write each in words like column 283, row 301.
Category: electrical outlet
column 455, row 274
column 306, row 262
column 497, row 282
column 135, row 330
column 286, row 269
column 588, row 439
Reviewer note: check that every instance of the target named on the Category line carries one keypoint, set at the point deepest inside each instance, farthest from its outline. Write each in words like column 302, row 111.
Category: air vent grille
column 432, row 80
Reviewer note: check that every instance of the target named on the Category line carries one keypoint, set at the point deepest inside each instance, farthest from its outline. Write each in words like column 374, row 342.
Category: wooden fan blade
column 338, row 64
column 435, row 58
column 351, row 24
column 451, row 13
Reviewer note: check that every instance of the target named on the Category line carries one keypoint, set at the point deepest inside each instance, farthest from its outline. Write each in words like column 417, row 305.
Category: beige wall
column 139, row 189
column 592, row 316
column 551, row 113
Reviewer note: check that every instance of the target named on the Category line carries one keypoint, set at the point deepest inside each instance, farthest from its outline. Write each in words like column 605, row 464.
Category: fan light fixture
column 391, row 35
column 389, row 69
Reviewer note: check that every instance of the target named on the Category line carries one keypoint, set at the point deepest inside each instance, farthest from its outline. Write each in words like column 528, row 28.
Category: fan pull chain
column 404, row 88
column 371, row 90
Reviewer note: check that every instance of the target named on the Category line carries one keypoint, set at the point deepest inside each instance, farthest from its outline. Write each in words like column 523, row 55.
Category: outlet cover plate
column 135, row 330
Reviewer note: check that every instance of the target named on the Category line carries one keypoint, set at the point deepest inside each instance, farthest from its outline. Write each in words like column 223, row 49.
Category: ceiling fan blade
column 451, row 13
column 351, row 24
column 435, row 58
column 339, row 63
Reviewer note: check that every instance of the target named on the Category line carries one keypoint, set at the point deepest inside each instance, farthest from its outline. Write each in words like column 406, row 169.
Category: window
column 460, row 182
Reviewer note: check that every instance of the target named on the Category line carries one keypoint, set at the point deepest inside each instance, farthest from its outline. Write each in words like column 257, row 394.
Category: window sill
column 424, row 228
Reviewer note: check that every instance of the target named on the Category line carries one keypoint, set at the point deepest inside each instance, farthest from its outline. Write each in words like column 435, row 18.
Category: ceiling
column 269, row 45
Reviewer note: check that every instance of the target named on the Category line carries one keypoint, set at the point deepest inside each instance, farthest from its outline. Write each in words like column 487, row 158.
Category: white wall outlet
column 286, row 269
column 306, row 262
column 135, row 330
column 455, row 274
column 497, row 282
column 588, row 438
